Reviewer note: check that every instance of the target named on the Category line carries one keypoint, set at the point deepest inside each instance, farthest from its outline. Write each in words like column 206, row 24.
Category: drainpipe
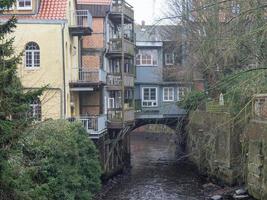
column 64, row 70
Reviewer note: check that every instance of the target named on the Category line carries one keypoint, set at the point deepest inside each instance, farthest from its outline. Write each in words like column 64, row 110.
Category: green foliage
column 55, row 160
column 192, row 100
column 14, row 102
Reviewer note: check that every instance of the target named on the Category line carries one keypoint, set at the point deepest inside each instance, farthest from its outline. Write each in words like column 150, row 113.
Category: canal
column 156, row 174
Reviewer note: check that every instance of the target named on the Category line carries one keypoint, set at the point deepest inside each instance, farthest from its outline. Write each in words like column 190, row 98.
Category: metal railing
column 115, row 115
column 121, row 5
column 115, row 46
column 93, row 124
column 115, row 80
column 86, row 75
column 81, row 18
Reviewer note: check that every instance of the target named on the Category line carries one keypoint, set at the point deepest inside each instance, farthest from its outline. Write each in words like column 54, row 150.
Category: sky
column 144, row 10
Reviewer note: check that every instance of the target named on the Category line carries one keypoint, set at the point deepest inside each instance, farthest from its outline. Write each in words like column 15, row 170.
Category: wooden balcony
column 87, row 77
column 94, row 125
column 80, row 23
column 115, row 48
column 120, row 7
column 115, row 119
column 114, row 82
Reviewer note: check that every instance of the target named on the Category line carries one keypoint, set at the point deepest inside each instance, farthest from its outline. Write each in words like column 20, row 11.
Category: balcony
column 94, row 125
column 115, row 117
column 87, row 76
column 259, row 110
column 115, row 47
column 80, row 23
column 119, row 7
column 114, row 81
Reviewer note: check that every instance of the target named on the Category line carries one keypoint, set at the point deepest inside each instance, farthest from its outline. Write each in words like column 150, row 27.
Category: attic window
column 24, row 4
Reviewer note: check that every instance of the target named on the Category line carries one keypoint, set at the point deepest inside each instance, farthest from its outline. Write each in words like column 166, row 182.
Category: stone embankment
column 229, row 152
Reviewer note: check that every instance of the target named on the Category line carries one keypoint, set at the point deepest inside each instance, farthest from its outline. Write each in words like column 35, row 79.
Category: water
column 156, row 174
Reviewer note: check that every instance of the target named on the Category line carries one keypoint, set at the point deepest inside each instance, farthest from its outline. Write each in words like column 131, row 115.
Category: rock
column 216, row 197
column 243, row 196
column 241, row 191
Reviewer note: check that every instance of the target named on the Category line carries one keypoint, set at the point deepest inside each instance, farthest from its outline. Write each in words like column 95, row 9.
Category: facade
column 83, row 51
column 48, row 33
column 161, row 77
column 102, row 93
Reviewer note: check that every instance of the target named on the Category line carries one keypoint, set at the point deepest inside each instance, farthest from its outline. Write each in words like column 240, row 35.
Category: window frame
column 180, row 97
column 141, row 63
column 24, row 7
column 170, row 96
column 166, row 56
column 35, row 111
column 153, row 103
column 34, row 54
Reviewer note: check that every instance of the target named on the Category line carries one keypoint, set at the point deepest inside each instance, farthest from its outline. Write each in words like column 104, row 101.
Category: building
column 83, row 51
column 48, row 32
column 103, row 92
column 162, row 78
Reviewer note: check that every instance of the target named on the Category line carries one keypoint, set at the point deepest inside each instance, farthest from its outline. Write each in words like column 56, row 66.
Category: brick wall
column 96, row 42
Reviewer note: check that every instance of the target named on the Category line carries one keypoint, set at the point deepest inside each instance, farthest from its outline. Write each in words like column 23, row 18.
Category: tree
column 14, row 101
column 55, row 160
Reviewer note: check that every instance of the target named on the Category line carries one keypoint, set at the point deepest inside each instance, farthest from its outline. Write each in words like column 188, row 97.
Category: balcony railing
column 94, row 125
column 84, row 75
column 115, row 80
column 80, row 22
column 119, row 6
column 115, row 115
column 115, row 46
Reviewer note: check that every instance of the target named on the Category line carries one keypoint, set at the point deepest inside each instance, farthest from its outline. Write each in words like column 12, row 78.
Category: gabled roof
column 95, row 2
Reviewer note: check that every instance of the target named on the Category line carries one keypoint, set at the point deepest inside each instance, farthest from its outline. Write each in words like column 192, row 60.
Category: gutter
column 63, row 71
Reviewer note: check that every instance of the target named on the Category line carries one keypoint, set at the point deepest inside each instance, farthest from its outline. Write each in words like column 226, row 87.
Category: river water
column 156, row 174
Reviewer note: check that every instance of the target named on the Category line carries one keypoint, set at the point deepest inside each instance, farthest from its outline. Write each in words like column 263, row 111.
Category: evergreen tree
column 14, row 101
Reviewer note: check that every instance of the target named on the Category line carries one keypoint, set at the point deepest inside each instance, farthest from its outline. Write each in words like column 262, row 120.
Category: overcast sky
column 144, row 10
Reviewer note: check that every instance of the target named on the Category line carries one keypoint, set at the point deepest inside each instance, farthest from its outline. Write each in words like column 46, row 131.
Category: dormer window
column 24, row 4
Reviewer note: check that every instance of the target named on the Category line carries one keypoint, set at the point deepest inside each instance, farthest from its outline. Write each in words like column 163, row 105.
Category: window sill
column 24, row 8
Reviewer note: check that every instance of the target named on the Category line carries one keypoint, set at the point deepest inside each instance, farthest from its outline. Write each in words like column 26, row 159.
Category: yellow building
column 48, row 32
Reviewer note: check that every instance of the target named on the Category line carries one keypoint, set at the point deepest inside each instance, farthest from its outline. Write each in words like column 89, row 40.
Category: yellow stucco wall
column 50, row 72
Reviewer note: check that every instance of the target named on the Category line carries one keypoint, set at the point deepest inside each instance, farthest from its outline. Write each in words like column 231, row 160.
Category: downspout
column 64, row 71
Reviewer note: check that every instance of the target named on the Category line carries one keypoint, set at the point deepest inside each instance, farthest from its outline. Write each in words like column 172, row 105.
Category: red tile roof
column 48, row 10
column 95, row 2
column 52, row 9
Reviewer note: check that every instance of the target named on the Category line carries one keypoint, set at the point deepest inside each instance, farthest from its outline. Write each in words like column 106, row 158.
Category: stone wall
column 255, row 146
column 213, row 144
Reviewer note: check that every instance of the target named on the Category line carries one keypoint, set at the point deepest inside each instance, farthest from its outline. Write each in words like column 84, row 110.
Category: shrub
column 192, row 100
column 55, row 160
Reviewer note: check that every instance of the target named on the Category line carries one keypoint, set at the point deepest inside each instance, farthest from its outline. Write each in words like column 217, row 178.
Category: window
column 181, row 92
column 147, row 58
column 24, row 4
column 235, row 8
column 168, row 94
column 149, row 97
column 32, row 55
column 111, row 103
column 169, row 59
column 35, row 111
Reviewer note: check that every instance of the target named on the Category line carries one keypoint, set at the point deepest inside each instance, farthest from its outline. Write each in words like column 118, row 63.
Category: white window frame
column 153, row 103
column 24, row 7
column 32, row 52
column 141, row 59
column 170, row 95
column 111, row 103
column 36, row 110
column 179, row 97
column 166, row 60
